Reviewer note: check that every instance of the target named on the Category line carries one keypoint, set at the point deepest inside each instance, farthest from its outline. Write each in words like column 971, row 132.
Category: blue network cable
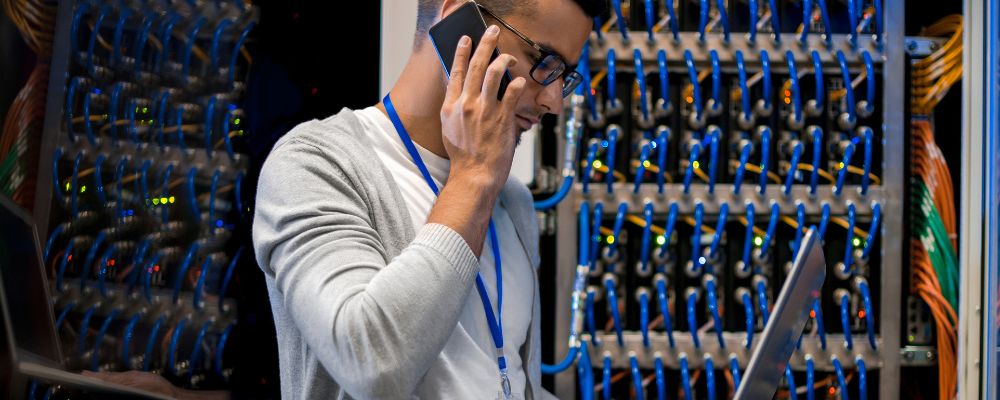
column 189, row 45
column 716, row 100
column 661, row 63
column 81, row 341
column 872, row 231
column 790, row 379
column 765, row 70
column 591, row 325
column 694, row 153
column 661, row 297
column 673, row 19
column 584, row 371
column 878, row 27
column 851, row 105
column 214, row 50
column 606, row 377
column 586, row 86
column 225, row 280
column 236, row 51
column 609, row 284
column 842, row 174
column 713, row 135
column 818, row 311
column 734, row 369
column 709, row 376
column 693, row 76
column 588, row 166
column 237, row 193
column 685, row 376
column 147, row 275
column 824, row 221
column 750, row 319
column 817, row 148
column 869, row 314
column 67, row 255
column 765, row 155
column 144, row 179
column 649, row 20
column 741, row 170
column 713, row 307
column 668, row 230
column 640, row 76
column 800, row 220
column 841, row 381
column 196, row 348
column 636, row 375
column 699, row 214
column 793, row 76
column 151, row 343
column 807, row 9
column 646, row 232
column 622, row 25
column 161, row 118
column 52, row 238
column 56, row 187
column 141, row 39
column 720, row 228
column 868, row 106
column 845, row 315
column 852, row 32
column 62, row 314
column 744, row 89
column 762, row 300
column 862, row 377
column 175, row 339
column 103, row 13
column 138, row 261
column 810, row 377
column 612, row 86
column 211, row 197
column 81, row 9
column 166, row 32
column 192, row 194
column 661, row 379
column 200, row 286
column 127, row 335
column 179, row 126
column 99, row 179
column 210, row 124
column 116, row 93
column 869, row 142
column 723, row 18
column 849, row 248
column 775, row 25
column 578, row 288
column 616, row 231
column 164, row 188
column 95, row 355
column 772, row 225
column 640, row 171
column 817, row 102
column 825, row 14
column 662, row 147
column 702, row 19
column 595, row 233
column 793, row 168
column 609, row 178
column 752, row 35
column 692, row 318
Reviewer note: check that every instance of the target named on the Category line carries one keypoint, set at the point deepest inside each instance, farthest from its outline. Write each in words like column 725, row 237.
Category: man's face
column 558, row 25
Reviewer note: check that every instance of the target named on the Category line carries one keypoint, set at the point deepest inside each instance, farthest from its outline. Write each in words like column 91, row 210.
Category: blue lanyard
column 494, row 320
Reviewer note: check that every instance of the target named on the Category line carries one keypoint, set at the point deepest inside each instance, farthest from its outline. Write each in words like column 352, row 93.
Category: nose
column 550, row 97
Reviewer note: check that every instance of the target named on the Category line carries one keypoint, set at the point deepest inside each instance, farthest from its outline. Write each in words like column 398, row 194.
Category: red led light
column 861, row 314
column 314, row 91
column 156, row 268
column 833, row 391
column 812, row 314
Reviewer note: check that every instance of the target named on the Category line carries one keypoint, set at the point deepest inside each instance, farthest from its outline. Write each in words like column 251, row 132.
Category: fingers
column 459, row 67
column 494, row 75
column 513, row 94
column 480, row 60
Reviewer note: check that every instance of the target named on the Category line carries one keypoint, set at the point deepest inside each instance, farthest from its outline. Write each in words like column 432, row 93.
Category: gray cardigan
column 361, row 306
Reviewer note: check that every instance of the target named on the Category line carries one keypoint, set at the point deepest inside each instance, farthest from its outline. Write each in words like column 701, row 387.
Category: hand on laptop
column 156, row 384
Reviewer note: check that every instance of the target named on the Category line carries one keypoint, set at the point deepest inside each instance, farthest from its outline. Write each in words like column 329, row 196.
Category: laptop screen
column 24, row 284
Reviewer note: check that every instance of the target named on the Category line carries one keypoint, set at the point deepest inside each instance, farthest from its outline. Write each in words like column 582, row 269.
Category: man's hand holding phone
column 479, row 131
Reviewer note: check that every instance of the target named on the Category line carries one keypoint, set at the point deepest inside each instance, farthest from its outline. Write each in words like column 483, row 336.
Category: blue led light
column 218, row 223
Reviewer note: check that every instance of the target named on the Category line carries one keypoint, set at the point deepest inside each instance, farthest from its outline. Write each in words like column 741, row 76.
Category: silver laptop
column 788, row 319
column 29, row 347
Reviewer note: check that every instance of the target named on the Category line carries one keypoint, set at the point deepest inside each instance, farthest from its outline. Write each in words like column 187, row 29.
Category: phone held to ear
column 466, row 21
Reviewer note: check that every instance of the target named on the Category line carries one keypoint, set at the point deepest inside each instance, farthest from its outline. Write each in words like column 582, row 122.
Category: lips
column 526, row 123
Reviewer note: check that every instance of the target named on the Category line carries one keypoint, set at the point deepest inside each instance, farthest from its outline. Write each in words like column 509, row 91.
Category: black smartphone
column 467, row 20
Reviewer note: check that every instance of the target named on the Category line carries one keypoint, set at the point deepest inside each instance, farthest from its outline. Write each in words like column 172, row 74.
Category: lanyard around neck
column 494, row 320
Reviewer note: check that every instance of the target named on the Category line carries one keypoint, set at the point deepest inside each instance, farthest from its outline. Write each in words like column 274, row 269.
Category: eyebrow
column 549, row 48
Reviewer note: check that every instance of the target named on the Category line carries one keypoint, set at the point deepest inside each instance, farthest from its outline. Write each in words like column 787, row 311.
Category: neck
column 417, row 97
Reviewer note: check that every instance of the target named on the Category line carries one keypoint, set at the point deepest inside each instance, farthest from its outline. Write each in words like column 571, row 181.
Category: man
column 373, row 226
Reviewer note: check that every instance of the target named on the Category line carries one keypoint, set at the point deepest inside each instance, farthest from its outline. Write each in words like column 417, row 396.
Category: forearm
column 465, row 205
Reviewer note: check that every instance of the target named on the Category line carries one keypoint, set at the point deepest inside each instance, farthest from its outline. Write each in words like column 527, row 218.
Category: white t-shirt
column 467, row 366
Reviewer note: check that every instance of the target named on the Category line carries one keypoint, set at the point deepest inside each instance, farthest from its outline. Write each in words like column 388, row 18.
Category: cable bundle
column 934, row 264
column 22, row 126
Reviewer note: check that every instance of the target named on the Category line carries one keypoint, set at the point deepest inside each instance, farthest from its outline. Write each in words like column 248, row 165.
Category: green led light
column 697, row 165
column 645, row 164
column 67, row 186
column 912, row 338
column 758, row 241
column 145, row 110
column 171, row 199
column 236, row 121
column 156, row 201
column 163, row 200
column 611, row 240
column 857, row 242
column 598, row 164
column 660, row 240
column 83, row 188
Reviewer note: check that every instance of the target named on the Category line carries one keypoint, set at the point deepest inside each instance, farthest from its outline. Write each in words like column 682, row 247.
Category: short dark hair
column 427, row 10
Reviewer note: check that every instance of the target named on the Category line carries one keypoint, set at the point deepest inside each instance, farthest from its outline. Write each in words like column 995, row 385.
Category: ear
column 449, row 6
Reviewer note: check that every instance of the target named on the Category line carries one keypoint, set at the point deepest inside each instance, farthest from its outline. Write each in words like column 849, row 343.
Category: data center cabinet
column 706, row 138
column 140, row 186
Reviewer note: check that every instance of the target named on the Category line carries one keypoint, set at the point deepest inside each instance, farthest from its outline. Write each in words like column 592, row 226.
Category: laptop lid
column 788, row 318
column 25, row 290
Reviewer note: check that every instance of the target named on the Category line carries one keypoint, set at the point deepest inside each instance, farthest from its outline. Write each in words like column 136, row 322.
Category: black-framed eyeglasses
column 550, row 66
